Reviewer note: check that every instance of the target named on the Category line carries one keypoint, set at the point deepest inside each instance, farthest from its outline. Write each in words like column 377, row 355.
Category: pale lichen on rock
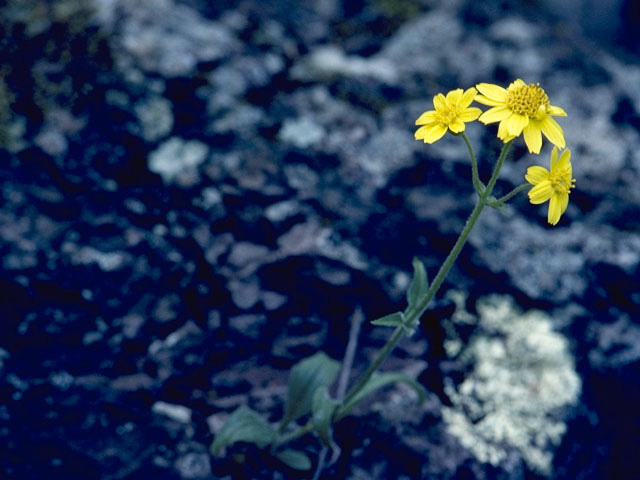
column 522, row 381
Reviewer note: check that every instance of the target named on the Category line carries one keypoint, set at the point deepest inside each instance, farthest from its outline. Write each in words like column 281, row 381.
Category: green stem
column 382, row 355
column 412, row 316
column 496, row 170
column 291, row 436
column 477, row 183
column 514, row 192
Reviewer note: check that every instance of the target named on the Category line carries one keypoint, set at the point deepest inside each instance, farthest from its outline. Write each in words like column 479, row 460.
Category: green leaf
column 391, row 320
column 497, row 204
column 294, row 459
column 306, row 376
column 244, row 425
column 383, row 379
column 322, row 408
column 419, row 284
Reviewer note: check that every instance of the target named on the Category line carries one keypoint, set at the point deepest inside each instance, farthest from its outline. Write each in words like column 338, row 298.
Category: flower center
column 527, row 99
column 447, row 115
column 561, row 181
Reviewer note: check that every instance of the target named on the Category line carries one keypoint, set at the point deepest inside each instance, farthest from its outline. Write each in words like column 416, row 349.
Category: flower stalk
column 477, row 183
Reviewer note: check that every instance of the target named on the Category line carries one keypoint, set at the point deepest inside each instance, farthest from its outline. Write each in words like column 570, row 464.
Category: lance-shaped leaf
column 419, row 284
column 391, row 320
column 322, row 408
column 244, row 425
column 306, row 377
column 294, row 459
column 383, row 379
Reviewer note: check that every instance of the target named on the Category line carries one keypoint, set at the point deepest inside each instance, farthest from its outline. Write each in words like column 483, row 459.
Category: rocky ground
column 196, row 195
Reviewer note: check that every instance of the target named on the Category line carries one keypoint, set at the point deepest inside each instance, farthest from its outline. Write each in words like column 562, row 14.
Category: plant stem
column 384, row 353
column 514, row 192
column 477, row 183
column 496, row 169
column 291, row 436
column 413, row 315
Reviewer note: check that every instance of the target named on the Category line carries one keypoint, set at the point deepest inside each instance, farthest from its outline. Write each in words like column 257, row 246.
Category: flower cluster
column 520, row 109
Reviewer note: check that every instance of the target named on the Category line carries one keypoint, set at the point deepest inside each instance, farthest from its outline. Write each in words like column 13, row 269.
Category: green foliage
column 244, row 425
column 392, row 320
column 323, row 407
column 306, row 377
column 419, row 284
column 294, row 459
column 378, row 381
column 417, row 290
column 493, row 202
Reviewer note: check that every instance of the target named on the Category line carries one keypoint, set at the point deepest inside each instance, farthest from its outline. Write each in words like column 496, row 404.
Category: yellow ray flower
column 451, row 113
column 522, row 108
column 554, row 185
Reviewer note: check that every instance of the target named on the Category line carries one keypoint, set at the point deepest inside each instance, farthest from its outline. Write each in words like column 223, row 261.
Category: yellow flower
column 554, row 185
column 522, row 108
column 451, row 112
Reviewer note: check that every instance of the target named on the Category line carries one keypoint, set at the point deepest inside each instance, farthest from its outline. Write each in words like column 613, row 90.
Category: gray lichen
column 177, row 160
column 522, row 380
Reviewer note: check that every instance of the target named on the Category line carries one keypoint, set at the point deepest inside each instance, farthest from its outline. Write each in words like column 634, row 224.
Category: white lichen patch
column 177, row 160
column 522, row 381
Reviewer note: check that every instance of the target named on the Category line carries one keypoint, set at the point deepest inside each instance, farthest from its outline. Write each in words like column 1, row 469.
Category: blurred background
column 198, row 194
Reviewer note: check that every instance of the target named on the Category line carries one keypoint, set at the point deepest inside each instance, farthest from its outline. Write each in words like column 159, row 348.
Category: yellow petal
column 492, row 92
column 419, row 133
column 555, row 208
column 515, row 123
column 495, row 114
column 517, row 83
column 467, row 97
column 563, row 162
column 536, row 175
column 565, row 203
column 439, row 102
column 552, row 131
column 426, row 117
column 487, row 101
column 502, row 132
column 541, row 192
column 434, row 132
column 557, row 111
column 533, row 137
column 456, row 126
column 454, row 96
column 554, row 158
column 470, row 114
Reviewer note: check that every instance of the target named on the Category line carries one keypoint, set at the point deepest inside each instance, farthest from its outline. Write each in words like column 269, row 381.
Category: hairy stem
column 477, row 183
column 514, row 192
